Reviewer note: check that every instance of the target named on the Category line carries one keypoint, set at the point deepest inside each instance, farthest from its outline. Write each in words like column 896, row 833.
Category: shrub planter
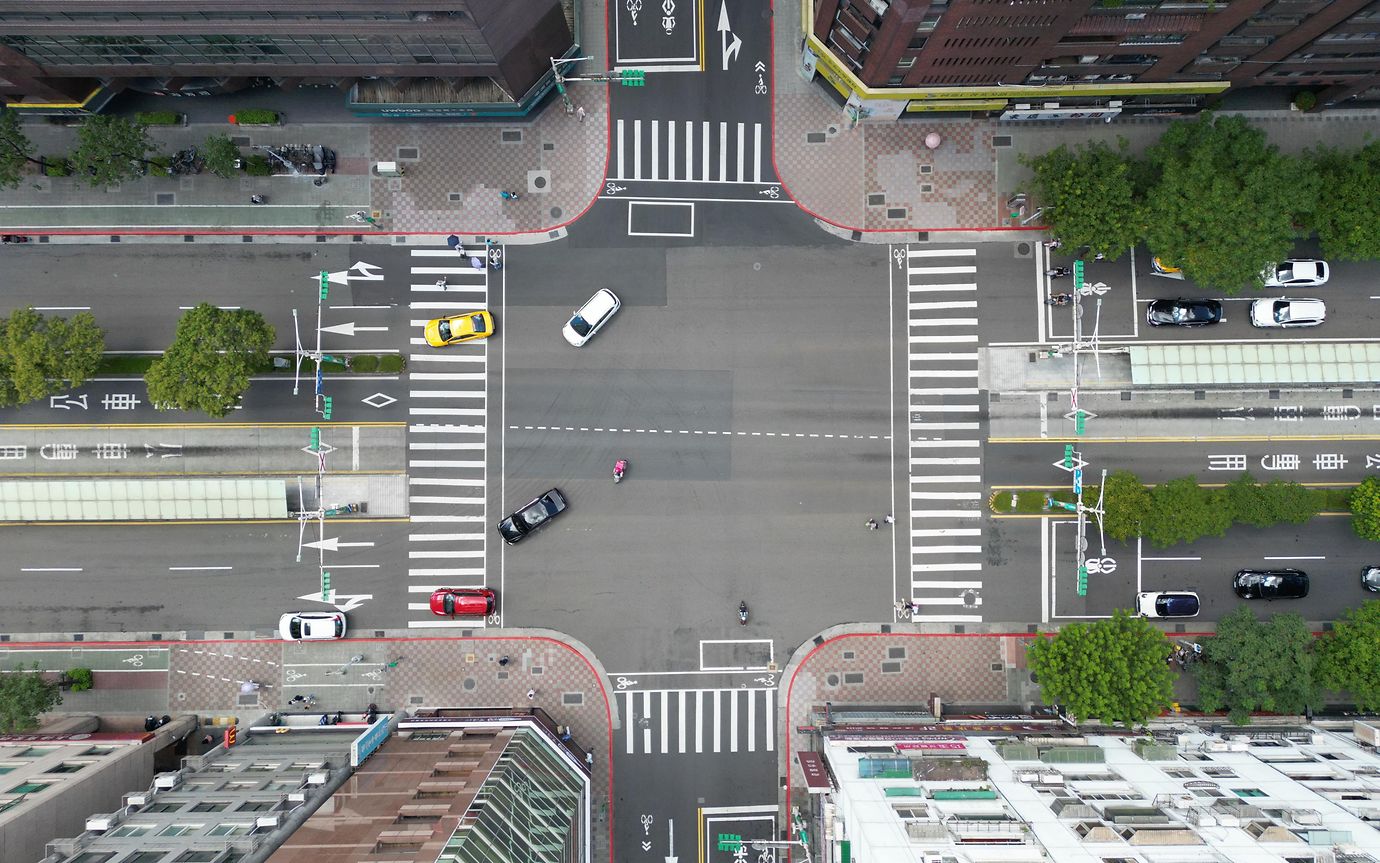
column 256, row 117
column 78, row 679
column 161, row 118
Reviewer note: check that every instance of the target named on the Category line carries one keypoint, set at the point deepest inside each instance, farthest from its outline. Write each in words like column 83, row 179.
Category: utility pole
column 1073, row 462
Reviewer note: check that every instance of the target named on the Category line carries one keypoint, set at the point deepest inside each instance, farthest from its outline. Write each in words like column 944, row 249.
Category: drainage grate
column 926, row 187
column 853, row 677
column 165, row 199
column 246, row 239
column 1200, row 395
column 357, row 238
column 511, row 136
column 548, row 146
column 815, row 137
column 320, row 238
column 574, row 699
column 895, row 653
column 876, row 199
column 453, row 197
column 997, row 666
column 927, row 169
column 896, row 212
column 240, row 140
column 400, row 239
column 408, row 153
column 1126, row 395
column 1001, row 140
column 891, row 668
column 922, row 236
column 849, row 656
column 189, row 238
column 115, row 239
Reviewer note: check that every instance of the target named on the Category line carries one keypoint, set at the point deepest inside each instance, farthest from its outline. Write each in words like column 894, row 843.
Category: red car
column 463, row 602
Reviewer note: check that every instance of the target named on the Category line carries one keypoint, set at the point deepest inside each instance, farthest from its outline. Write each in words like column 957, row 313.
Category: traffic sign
column 1078, row 481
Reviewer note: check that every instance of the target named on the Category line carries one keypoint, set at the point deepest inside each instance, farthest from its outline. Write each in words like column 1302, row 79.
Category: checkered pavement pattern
column 899, row 669
column 453, row 172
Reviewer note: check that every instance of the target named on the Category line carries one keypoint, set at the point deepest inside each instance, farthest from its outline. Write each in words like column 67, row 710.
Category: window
column 5, row 768
column 1248, row 792
column 1179, row 772
column 229, row 830
column 67, row 767
column 1220, row 772
column 162, row 807
column 178, row 829
column 99, row 750
column 10, row 804
column 93, row 857
column 1206, row 792
column 210, row 807
column 36, row 752
column 28, row 787
column 131, row 830
column 196, row 857
column 255, row 806
column 145, row 857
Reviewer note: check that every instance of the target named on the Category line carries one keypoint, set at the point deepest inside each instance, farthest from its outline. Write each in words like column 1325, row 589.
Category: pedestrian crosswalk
column 691, row 150
column 945, row 402
column 676, row 721
column 446, row 440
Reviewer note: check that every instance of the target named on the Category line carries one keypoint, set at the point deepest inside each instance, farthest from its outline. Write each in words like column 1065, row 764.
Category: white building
column 1259, row 794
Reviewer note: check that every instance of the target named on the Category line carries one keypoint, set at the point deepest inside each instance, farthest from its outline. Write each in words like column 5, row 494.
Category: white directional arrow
column 729, row 50
column 351, row 600
column 334, row 544
column 671, row 840
column 360, row 272
column 349, row 329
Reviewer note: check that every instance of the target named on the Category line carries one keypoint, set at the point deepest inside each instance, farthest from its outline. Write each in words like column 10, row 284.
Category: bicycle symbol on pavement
column 137, row 660
column 1104, row 565
column 900, row 255
column 612, row 188
column 624, row 683
column 760, row 88
column 769, row 680
column 772, row 192
column 293, row 675
column 376, row 674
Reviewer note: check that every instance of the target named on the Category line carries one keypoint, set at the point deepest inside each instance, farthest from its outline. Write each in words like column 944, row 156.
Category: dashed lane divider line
column 701, row 431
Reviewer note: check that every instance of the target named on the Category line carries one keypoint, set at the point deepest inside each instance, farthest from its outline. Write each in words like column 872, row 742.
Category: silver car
column 591, row 316
column 1284, row 312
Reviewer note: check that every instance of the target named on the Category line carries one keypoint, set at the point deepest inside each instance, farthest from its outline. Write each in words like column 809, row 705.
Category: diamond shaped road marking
column 379, row 400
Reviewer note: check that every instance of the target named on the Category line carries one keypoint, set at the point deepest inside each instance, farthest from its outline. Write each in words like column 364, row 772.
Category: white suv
column 1284, row 312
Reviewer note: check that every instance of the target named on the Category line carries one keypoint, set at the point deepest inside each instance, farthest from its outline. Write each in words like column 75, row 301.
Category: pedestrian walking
column 580, row 113
column 508, row 196
column 1054, row 243
column 476, row 262
column 531, row 694
column 872, row 524
column 441, row 283
column 208, row 739
column 889, row 519
column 503, row 661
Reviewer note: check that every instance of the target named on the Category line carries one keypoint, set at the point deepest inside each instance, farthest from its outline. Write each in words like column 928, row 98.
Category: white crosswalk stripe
column 946, row 488
column 695, row 721
column 691, row 151
column 447, row 438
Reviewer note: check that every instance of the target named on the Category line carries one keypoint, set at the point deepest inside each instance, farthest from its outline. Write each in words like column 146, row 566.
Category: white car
column 591, row 316
column 311, row 626
column 1296, row 273
column 1171, row 603
column 1284, row 312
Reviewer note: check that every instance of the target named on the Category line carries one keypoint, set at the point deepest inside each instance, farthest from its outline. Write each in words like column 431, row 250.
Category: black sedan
column 517, row 526
column 1270, row 584
column 1183, row 313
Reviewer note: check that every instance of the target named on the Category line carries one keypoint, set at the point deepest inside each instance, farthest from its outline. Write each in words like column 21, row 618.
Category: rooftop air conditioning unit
column 270, row 820
column 1022, row 106
column 167, row 781
column 316, row 779
column 141, row 799
column 101, row 823
column 297, row 797
column 1051, row 777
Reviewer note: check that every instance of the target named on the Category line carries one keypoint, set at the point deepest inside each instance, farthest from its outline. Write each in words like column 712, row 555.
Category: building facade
column 1272, row 793
column 57, row 55
column 1050, row 59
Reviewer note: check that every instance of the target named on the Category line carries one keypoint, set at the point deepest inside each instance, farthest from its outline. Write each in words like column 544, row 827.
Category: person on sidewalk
column 889, row 519
column 531, row 694
column 503, row 661
column 871, row 524
column 442, row 283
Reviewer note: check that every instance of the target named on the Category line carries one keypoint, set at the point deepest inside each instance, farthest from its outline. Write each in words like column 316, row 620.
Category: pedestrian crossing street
column 678, row 721
column 945, row 485
column 446, row 439
column 691, row 151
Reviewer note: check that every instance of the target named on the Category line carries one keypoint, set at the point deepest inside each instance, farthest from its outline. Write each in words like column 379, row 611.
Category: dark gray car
column 1270, row 584
column 517, row 526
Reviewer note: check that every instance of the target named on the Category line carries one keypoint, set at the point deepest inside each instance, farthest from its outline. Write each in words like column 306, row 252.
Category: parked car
column 1296, row 273
column 1370, row 578
column 464, row 327
column 1284, row 312
column 591, row 316
column 1175, row 603
column 1270, row 584
column 516, row 527
column 1183, row 313
column 463, row 602
column 311, row 625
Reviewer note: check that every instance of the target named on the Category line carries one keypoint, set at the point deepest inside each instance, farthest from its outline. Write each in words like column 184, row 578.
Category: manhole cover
column 408, row 153
column 469, row 683
column 831, row 680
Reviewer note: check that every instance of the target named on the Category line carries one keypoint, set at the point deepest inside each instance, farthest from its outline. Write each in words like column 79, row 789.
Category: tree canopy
column 15, row 149
column 111, row 149
column 1365, row 509
column 1347, row 217
column 42, row 356
column 1091, row 194
column 208, row 366
column 219, row 153
column 1113, row 669
column 1182, row 511
column 1126, row 504
column 1349, row 655
column 24, row 695
column 1253, row 665
column 1226, row 202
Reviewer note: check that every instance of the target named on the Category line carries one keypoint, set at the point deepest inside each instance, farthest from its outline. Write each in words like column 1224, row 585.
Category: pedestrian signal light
column 633, row 77
column 231, row 734
column 326, row 407
column 315, row 439
column 325, row 283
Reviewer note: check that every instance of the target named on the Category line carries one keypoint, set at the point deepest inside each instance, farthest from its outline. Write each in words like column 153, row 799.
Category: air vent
column 267, row 821
column 101, row 823
column 316, row 779
column 167, row 781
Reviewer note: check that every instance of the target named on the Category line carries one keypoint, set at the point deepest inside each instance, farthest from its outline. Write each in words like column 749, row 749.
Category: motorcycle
column 1057, row 272
column 742, row 613
column 1059, row 300
column 619, row 468
column 13, row 238
column 495, row 255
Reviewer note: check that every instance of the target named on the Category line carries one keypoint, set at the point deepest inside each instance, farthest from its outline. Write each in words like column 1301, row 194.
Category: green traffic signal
column 633, row 77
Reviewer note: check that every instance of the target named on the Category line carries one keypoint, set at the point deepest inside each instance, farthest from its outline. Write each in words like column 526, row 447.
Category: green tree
column 1089, row 196
column 1349, row 655
column 219, row 154
column 1113, row 670
column 208, row 365
column 1347, row 218
column 1226, row 202
column 1291, row 502
column 1247, row 502
column 15, row 149
column 1253, row 665
column 1182, row 511
column 1126, row 504
column 41, row 356
column 111, row 149
column 1365, row 509
column 24, row 694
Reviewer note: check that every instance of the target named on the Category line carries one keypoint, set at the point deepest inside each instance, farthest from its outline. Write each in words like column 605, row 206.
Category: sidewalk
column 204, row 678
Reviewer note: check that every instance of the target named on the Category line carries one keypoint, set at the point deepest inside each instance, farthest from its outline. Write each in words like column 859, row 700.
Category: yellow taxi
column 464, row 327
